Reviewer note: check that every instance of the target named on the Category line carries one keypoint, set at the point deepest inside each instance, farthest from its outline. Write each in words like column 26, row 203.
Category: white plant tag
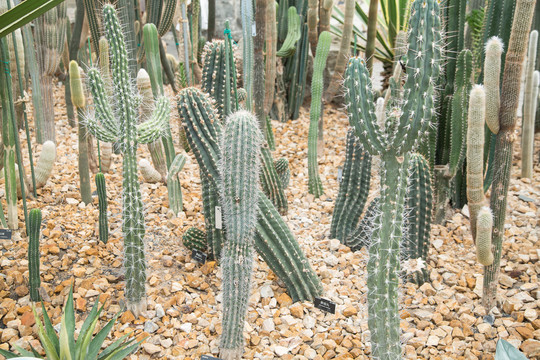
column 219, row 224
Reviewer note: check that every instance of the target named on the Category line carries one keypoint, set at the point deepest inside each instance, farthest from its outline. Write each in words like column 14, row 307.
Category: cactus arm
column 504, row 142
column 152, row 129
column 359, row 100
column 459, row 105
column 167, row 16
column 484, row 226
column 529, row 106
column 247, row 17
column 423, row 68
column 33, row 231
column 103, row 220
column 288, row 48
column 475, row 154
column 153, row 64
column 492, row 78
column 103, row 109
column 317, row 85
column 173, row 183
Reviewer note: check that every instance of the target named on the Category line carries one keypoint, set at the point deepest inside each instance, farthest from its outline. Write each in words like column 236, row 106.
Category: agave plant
column 63, row 346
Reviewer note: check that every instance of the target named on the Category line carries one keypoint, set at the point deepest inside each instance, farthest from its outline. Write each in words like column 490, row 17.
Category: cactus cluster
column 408, row 120
column 117, row 121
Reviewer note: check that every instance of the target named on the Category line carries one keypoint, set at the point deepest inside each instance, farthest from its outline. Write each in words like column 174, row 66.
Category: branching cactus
column 239, row 170
column 408, row 121
column 116, row 121
column 274, row 241
column 353, row 189
column 317, row 85
column 418, row 208
column 34, row 225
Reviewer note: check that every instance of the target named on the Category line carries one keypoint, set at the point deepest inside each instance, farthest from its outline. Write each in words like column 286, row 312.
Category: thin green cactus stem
column 240, row 161
column 247, row 58
column 317, row 86
column 33, row 231
column 294, row 31
column 492, row 79
column 103, row 219
column 173, row 183
column 353, row 189
column 529, row 107
column 283, row 171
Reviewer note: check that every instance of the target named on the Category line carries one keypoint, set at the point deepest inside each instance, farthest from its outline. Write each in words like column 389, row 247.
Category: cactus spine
column 418, row 209
column 33, row 231
column 361, row 236
column 195, row 239
column 79, row 101
column 103, row 220
column 240, row 144
column 317, row 85
column 119, row 123
column 274, row 241
column 504, row 142
column 529, row 109
column 484, row 225
column 353, row 189
column 408, row 122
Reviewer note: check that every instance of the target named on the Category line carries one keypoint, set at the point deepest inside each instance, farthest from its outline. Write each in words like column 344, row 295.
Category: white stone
column 268, row 325
column 186, row 327
column 309, row 322
column 159, row 311
column 266, row 291
column 281, row 350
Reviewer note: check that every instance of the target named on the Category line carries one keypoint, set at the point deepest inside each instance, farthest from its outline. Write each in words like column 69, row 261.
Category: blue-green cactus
column 116, row 121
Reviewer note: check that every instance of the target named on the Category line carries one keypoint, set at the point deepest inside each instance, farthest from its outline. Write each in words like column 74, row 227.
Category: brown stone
column 284, row 300
column 526, row 332
column 531, row 348
column 21, row 291
column 297, row 310
column 350, row 311
column 127, row 317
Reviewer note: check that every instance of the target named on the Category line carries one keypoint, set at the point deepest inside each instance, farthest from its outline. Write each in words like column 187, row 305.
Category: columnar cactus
column 317, row 86
column 418, row 207
column 408, row 121
column 283, row 171
column 274, row 241
column 484, row 226
column 103, row 219
column 116, row 121
column 45, row 163
column 79, row 101
column 173, row 184
column 195, row 239
column 294, row 31
column 361, row 236
column 529, row 109
column 353, row 189
column 239, row 170
column 33, row 231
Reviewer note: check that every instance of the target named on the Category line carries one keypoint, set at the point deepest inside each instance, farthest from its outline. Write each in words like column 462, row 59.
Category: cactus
column 118, row 123
column 313, row 22
column 529, row 109
column 502, row 165
column 317, row 85
column 484, row 225
column 195, row 239
column 239, row 165
column 418, row 209
column 294, row 30
column 408, row 121
column 149, row 174
column 33, row 231
column 475, row 154
column 271, row 49
column 215, row 237
column 247, row 49
column 45, row 163
column 214, row 75
column 361, row 236
column 353, row 189
column 79, row 101
column 283, row 171
column 274, row 240
column 492, row 78
column 103, row 220
column 173, row 184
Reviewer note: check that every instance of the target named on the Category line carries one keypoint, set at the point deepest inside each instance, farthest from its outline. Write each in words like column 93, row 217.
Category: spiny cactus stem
column 33, row 231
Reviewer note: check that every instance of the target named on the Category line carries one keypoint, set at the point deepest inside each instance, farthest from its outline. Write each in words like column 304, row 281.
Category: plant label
column 208, row 357
column 325, row 305
column 339, row 174
column 219, row 224
column 199, row 256
column 5, row 234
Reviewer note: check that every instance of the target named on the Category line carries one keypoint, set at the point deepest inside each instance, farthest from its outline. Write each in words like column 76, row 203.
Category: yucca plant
column 63, row 346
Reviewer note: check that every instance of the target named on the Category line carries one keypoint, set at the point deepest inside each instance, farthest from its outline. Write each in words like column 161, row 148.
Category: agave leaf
column 46, row 342
column 8, row 354
column 114, row 346
column 121, row 354
column 506, row 351
column 87, row 329
column 69, row 316
column 51, row 333
column 97, row 341
column 24, row 352
column 65, row 351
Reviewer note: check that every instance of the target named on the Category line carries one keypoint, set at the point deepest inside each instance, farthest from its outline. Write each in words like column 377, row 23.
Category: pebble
column 266, row 291
column 309, row 322
column 151, row 348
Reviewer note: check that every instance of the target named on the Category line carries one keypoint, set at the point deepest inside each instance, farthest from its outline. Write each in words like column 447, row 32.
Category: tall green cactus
column 530, row 98
column 408, row 122
column 103, row 219
column 418, row 209
column 274, row 241
column 173, row 184
column 353, row 189
column 283, row 171
column 33, row 231
column 79, row 101
column 116, row 121
column 240, row 162
column 288, row 48
column 317, row 86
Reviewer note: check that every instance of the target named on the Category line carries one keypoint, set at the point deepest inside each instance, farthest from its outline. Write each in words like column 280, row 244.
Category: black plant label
column 325, row 305
column 199, row 256
column 5, row 234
